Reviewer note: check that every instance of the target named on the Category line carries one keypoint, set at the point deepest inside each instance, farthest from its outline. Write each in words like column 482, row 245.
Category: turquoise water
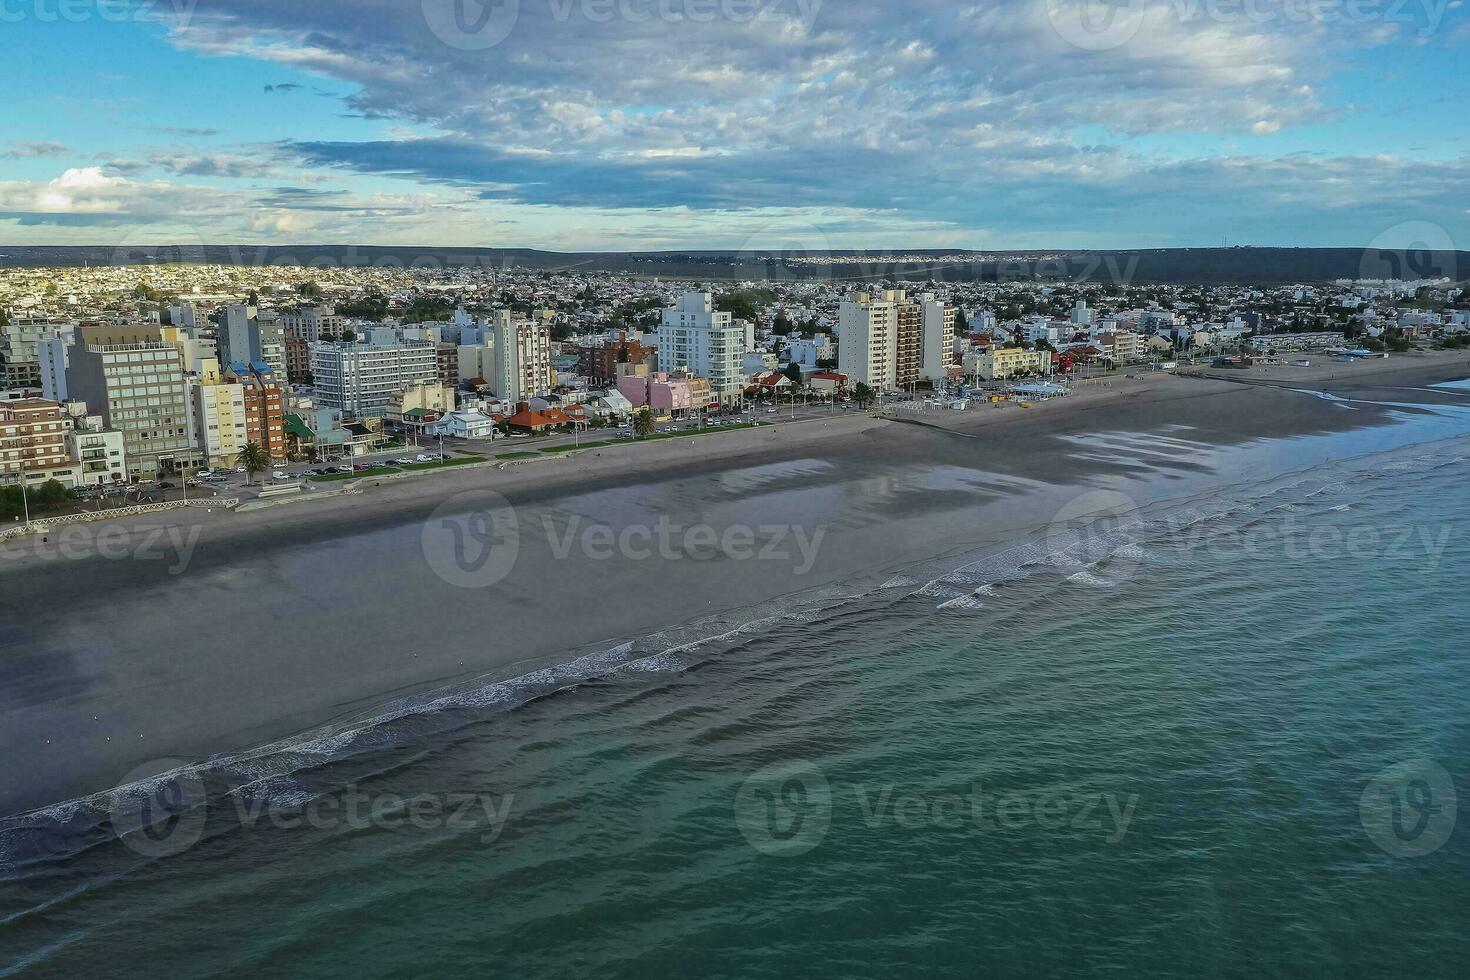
column 1218, row 737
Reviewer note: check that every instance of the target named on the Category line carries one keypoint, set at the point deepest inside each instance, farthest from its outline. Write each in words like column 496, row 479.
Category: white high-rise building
column 867, row 339
column 360, row 378
column 705, row 342
column 521, row 359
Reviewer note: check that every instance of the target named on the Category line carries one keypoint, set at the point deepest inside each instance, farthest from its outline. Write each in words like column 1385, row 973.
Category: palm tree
column 862, row 395
column 643, row 423
column 254, row 459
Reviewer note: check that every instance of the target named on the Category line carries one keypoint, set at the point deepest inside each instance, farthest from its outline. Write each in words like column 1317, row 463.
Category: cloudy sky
column 581, row 124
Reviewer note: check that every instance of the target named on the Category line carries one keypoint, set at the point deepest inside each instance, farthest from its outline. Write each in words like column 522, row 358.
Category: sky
column 719, row 124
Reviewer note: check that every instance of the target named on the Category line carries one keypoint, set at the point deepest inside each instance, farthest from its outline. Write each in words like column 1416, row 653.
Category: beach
column 183, row 636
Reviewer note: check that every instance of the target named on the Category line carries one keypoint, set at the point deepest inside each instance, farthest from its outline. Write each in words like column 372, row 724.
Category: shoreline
column 225, row 680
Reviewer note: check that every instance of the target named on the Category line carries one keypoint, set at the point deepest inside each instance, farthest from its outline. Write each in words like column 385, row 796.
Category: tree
column 793, row 373
column 349, row 336
column 309, row 290
column 254, row 459
column 643, row 423
column 862, row 395
column 961, row 322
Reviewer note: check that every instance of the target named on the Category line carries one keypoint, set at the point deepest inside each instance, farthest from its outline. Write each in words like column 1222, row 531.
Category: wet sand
column 186, row 635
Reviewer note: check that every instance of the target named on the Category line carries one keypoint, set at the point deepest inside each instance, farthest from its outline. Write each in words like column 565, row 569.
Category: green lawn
column 525, row 455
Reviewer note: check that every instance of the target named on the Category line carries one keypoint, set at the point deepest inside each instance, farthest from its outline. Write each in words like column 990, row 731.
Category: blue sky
column 581, row 124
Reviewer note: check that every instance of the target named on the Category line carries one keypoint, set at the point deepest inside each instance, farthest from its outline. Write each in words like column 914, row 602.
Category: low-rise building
column 999, row 363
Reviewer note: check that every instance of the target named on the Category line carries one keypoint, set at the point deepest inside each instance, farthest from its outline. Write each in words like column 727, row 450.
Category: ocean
column 1219, row 734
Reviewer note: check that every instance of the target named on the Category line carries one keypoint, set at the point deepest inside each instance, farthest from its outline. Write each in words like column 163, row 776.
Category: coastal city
column 131, row 385
column 663, row 489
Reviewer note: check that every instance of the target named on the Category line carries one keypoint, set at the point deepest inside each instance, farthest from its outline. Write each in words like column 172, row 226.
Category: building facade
column 139, row 389
column 522, row 359
column 33, row 442
column 867, row 338
column 359, row 379
column 705, row 342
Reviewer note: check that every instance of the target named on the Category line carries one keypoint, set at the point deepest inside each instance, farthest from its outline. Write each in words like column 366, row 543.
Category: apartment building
column 360, row 378
column 867, row 336
column 264, row 406
column 522, row 359
column 1320, row 340
column 97, row 453
column 1000, row 363
column 246, row 336
column 140, row 390
column 696, row 337
column 33, row 442
column 310, row 323
column 908, row 342
column 219, row 419
column 1120, row 346
column 599, row 362
column 938, row 339
column 297, row 353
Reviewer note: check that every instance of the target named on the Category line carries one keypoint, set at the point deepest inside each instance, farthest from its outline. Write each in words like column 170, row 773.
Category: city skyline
column 800, row 124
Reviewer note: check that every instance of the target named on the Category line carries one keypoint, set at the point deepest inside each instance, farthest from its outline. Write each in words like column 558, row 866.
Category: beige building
column 219, row 418
column 422, row 397
column 1001, row 363
column 868, row 339
column 521, row 359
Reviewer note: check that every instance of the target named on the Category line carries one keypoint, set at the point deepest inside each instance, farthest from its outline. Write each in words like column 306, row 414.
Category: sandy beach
column 186, row 635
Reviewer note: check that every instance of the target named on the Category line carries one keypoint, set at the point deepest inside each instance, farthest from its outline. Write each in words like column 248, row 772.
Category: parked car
column 424, row 458
column 280, row 475
column 343, row 469
column 402, row 461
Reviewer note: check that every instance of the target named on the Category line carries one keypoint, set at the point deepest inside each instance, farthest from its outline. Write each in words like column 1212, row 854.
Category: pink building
column 659, row 392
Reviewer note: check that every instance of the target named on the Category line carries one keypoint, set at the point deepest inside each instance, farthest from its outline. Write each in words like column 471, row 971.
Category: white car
column 280, row 475
column 424, row 458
